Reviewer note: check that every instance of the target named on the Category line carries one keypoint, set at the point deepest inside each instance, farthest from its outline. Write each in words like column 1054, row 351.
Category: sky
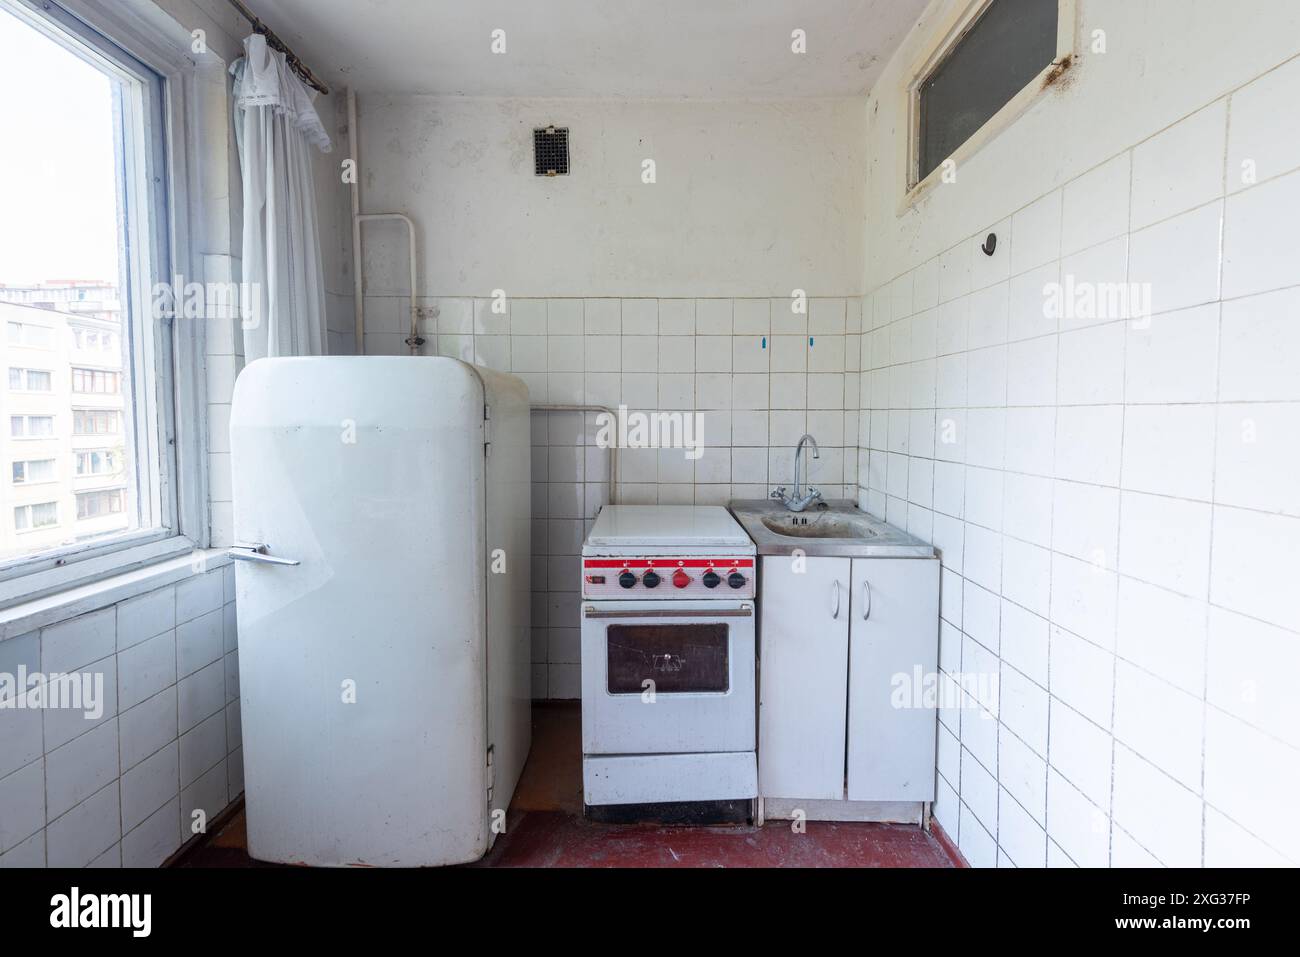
column 58, row 208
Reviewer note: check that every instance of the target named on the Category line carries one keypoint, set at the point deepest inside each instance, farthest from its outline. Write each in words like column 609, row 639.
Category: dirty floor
column 545, row 827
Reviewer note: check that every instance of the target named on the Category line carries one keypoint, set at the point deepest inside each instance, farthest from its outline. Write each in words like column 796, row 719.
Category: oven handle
column 702, row 614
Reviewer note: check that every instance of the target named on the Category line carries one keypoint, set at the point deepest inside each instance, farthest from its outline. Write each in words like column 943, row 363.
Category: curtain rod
column 275, row 43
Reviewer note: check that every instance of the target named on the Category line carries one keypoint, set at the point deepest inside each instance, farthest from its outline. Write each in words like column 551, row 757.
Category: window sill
column 27, row 616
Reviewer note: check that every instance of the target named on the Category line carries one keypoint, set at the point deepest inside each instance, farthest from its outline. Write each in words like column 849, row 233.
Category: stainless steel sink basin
column 825, row 525
column 836, row 528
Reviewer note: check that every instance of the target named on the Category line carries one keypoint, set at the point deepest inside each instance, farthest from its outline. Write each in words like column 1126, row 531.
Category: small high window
column 997, row 50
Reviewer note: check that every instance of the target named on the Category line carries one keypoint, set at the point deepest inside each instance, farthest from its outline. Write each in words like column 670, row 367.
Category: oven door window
column 678, row 658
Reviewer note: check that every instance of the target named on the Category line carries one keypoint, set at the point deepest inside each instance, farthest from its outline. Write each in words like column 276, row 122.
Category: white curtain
column 276, row 126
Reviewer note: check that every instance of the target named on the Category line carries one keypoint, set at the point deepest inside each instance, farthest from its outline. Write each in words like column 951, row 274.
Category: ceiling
column 595, row 48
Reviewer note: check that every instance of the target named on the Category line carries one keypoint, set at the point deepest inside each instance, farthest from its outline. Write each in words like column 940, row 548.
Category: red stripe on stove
column 667, row 563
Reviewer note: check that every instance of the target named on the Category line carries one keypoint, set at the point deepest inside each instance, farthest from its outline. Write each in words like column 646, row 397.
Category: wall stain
column 1059, row 76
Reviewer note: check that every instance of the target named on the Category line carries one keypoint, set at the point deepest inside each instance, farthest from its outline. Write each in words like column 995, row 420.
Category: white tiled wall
column 224, row 346
column 1117, row 502
column 759, row 373
column 122, row 790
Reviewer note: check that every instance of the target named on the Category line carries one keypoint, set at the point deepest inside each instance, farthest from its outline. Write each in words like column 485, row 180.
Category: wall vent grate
column 551, row 151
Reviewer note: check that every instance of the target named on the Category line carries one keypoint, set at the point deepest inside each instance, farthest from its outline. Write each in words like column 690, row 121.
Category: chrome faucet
column 801, row 498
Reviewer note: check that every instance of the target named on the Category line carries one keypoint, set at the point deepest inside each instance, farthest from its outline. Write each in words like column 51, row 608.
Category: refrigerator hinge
column 487, row 430
column 491, row 773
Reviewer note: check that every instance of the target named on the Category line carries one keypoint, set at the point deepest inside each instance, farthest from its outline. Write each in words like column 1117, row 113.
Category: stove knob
column 627, row 579
column 681, row 579
column 736, row 580
column 650, row 579
column 711, row 579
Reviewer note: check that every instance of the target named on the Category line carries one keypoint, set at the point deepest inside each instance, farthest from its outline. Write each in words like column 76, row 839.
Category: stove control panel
column 668, row 577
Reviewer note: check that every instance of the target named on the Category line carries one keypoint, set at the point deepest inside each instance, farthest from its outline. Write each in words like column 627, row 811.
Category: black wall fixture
column 551, row 151
column 990, row 244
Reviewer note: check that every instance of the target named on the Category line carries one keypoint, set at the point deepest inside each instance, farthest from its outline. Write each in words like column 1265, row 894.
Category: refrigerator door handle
column 258, row 553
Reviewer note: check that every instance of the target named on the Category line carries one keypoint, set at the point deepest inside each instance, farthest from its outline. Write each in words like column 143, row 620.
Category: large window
column 82, row 244
column 993, row 56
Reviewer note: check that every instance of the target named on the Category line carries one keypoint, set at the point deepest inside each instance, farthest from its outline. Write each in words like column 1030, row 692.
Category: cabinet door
column 804, row 615
column 893, row 656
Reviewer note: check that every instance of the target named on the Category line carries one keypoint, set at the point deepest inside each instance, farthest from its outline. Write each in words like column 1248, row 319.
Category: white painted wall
column 1115, row 502
column 751, row 198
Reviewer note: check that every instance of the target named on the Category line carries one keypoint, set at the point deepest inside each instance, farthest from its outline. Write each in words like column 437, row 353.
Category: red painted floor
column 545, row 827
column 552, row 839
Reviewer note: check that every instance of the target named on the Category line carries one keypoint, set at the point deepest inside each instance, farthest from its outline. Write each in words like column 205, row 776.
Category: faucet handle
column 778, row 492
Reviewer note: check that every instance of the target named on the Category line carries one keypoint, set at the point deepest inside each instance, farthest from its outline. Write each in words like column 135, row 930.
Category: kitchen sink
column 836, row 528
column 826, row 525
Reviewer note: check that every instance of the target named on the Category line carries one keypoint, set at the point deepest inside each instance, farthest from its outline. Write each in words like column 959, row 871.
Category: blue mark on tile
column 765, row 342
column 810, row 341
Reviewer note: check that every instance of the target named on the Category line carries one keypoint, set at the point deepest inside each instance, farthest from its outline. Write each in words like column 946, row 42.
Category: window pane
column 65, row 281
column 1011, row 42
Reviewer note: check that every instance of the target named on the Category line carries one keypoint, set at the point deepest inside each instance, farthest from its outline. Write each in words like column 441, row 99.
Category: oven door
column 667, row 677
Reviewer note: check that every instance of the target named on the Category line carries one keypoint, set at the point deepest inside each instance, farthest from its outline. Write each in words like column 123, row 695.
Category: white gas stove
column 668, row 654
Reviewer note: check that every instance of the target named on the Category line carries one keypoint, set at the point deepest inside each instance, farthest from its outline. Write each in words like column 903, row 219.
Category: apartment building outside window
column 100, row 502
column 30, row 335
column 42, row 515
column 102, row 462
column 33, row 471
column 30, row 380
column 96, row 422
column 96, row 381
column 31, row 426
column 94, row 340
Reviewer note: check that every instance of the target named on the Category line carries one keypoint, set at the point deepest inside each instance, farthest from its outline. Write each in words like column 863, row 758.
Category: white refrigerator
column 382, row 525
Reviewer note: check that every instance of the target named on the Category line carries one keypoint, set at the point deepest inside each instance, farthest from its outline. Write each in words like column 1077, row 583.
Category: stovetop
column 667, row 552
column 685, row 528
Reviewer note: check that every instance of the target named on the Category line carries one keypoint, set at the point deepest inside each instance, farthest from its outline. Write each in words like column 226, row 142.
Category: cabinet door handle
column 835, row 599
column 866, row 599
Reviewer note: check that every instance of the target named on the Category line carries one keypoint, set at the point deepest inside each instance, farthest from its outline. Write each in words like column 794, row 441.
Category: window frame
column 28, row 508
column 160, row 130
column 27, row 481
column 27, row 417
column 22, row 329
column 25, row 388
column 943, row 39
